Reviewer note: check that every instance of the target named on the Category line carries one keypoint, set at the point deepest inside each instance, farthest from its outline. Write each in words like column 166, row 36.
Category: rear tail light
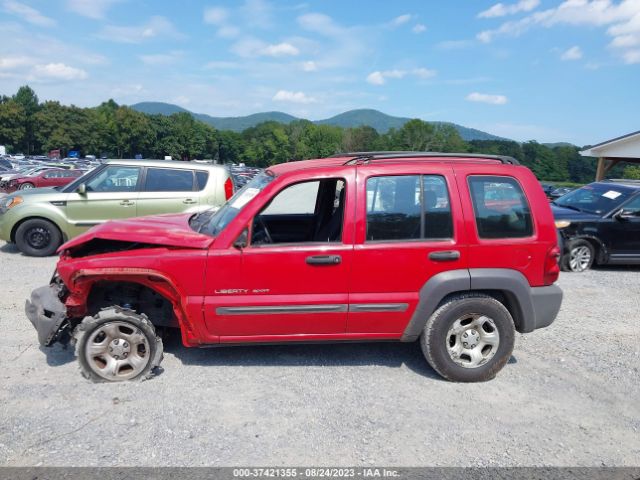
column 551, row 265
column 228, row 188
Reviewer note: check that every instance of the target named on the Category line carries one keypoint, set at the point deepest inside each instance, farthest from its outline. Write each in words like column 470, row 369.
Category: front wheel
column 117, row 344
column 26, row 186
column 580, row 256
column 469, row 338
column 38, row 237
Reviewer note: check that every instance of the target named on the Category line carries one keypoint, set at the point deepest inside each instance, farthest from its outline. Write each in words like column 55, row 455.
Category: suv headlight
column 562, row 224
column 9, row 202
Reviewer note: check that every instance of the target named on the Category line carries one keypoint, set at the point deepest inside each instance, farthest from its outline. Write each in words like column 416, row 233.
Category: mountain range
column 352, row 118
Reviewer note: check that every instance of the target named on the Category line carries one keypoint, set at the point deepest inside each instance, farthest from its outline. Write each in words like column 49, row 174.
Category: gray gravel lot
column 569, row 396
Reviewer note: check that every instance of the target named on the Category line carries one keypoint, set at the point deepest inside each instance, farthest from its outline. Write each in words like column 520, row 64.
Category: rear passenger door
column 167, row 190
column 502, row 232
column 409, row 229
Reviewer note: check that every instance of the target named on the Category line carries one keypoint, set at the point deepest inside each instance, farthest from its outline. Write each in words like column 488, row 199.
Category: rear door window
column 168, row 180
column 408, row 207
column 500, row 206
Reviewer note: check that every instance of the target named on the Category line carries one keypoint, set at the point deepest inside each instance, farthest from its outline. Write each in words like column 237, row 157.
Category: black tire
column 38, row 237
column 435, row 342
column 26, row 186
column 574, row 246
column 129, row 323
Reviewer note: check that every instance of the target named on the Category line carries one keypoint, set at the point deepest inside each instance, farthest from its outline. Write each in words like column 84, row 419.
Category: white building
column 612, row 152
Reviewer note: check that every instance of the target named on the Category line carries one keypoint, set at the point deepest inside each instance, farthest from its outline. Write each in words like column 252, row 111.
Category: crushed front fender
column 46, row 312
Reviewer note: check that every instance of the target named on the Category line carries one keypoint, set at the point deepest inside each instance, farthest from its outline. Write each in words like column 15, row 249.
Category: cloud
column 293, row 97
column 252, row 47
column 280, row 49
column 574, row 53
column 453, row 44
column 161, row 58
column 58, row 71
column 401, row 20
column 258, row 13
column 228, row 31
column 501, row 10
column 380, row 77
column 27, row 13
column 221, row 65
column 418, row 28
column 95, row 9
column 216, row 15
column 487, row 98
column 622, row 20
column 631, row 57
column 309, row 66
column 11, row 63
column 156, row 27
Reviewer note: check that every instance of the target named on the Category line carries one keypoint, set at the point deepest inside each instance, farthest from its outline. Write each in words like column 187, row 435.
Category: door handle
column 324, row 260
column 189, row 201
column 444, row 256
column 127, row 203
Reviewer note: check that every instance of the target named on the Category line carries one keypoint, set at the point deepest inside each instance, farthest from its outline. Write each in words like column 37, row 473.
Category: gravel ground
column 569, row 396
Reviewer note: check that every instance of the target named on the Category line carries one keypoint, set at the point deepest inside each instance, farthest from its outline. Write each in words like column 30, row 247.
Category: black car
column 559, row 192
column 599, row 223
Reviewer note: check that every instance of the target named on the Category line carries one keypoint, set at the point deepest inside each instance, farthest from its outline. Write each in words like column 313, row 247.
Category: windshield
column 73, row 186
column 596, row 198
column 221, row 218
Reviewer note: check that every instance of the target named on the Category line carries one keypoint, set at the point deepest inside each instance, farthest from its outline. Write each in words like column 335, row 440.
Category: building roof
column 623, row 147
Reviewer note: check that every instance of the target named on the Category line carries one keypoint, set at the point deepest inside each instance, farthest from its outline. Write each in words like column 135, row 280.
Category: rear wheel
column 26, row 186
column 469, row 338
column 580, row 256
column 117, row 344
column 38, row 237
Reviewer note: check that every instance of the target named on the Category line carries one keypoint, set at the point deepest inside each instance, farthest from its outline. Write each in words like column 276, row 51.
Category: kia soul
column 456, row 251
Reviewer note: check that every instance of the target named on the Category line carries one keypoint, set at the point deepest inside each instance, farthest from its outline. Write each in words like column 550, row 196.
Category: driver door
column 623, row 233
column 111, row 194
column 294, row 274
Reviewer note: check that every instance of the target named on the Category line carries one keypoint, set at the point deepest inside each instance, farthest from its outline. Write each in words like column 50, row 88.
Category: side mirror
column 623, row 215
column 242, row 240
column 82, row 189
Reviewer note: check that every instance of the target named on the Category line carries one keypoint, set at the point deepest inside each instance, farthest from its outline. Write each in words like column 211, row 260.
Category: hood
column 163, row 230
column 561, row 213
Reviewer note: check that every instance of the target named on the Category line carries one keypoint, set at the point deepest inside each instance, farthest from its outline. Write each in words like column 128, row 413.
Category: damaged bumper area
column 47, row 313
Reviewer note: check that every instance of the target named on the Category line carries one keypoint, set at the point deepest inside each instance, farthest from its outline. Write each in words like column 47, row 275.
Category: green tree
column 12, row 128
column 27, row 98
column 266, row 144
column 359, row 139
column 632, row 172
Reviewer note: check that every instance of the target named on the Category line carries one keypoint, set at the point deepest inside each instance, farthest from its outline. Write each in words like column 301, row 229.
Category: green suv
column 38, row 221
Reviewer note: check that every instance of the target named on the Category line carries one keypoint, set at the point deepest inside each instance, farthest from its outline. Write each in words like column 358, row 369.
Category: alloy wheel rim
column 25, row 186
column 117, row 351
column 472, row 340
column 579, row 258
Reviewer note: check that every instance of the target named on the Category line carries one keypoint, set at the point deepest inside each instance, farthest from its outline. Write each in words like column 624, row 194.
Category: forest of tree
column 117, row 131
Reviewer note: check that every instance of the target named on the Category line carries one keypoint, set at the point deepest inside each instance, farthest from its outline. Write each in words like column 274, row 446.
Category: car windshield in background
column 595, row 198
column 220, row 219
column 73, row 186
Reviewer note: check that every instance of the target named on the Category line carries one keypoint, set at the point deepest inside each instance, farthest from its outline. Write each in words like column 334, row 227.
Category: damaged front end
column 48, row 314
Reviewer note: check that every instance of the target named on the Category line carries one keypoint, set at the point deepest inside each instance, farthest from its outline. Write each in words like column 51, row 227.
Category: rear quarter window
column 500, row 206
column 201, row 180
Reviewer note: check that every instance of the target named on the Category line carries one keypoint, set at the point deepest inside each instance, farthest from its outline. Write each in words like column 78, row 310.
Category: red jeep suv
column 456, row 251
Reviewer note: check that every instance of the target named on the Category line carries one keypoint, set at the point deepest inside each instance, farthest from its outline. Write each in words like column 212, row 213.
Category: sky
column 523, row 69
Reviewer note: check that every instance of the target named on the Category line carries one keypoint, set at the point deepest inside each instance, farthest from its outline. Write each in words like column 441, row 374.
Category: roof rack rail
column 366, row 157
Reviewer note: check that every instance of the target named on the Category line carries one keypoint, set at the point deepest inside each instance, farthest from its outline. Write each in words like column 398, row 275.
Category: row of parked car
column 598, row 223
